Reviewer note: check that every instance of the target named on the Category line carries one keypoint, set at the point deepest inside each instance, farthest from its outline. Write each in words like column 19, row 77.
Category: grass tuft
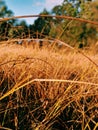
column 47, row 88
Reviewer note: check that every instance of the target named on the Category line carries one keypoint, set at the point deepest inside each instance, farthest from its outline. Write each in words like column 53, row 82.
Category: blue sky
column 30, row 7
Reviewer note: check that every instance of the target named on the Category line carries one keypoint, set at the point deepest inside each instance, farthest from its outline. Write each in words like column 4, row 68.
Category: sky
column 30, row 7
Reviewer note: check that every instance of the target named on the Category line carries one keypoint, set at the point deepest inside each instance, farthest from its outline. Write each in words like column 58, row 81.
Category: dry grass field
column 47, row 89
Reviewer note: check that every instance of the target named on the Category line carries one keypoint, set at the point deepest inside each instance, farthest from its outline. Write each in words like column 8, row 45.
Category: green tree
column 42, row 25
column 5, row 26
column 4, row 11
column 74, row 31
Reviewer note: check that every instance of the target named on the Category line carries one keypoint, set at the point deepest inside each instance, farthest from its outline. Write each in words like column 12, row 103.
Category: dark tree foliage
column 5, row 26
column 42, row 24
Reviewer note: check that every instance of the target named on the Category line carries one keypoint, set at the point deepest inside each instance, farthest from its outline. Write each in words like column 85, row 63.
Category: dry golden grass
column 47, row 89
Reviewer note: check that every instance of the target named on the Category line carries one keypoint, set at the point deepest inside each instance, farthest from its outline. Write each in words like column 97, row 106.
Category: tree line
column 70, row 31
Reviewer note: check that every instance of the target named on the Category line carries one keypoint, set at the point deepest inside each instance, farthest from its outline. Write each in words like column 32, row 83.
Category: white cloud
column 49, row 4
column 38, row 4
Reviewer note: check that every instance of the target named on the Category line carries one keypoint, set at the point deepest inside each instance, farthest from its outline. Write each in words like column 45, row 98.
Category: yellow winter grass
column 59, row 80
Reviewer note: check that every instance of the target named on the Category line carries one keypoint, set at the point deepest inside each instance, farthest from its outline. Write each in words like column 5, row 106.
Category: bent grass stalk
column 52, row 16
column 19, row 86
